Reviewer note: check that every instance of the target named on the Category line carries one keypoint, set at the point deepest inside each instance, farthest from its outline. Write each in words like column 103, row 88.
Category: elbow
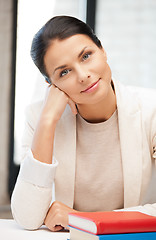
column 25, row 219
column 26, row 223
column 29, row 205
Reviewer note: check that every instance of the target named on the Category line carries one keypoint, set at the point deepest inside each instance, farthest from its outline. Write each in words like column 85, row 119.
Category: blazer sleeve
column 32, row 194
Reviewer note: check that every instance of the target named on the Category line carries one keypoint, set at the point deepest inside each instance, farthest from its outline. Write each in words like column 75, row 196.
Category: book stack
column 113, row 225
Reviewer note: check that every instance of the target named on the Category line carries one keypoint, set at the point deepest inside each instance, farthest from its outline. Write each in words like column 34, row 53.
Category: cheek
column 59, row 84
column 101, row 65
column 71, row 91
column 66, row 86
column 104, row 69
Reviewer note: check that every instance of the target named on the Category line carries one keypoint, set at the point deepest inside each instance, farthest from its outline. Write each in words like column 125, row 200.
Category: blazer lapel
column 65, row 153
column 129, row 117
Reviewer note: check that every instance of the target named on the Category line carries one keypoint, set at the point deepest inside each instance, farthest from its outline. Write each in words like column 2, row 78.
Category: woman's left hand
column 57, row 216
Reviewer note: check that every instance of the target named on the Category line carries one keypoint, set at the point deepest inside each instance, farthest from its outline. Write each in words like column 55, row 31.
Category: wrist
column 48, row 120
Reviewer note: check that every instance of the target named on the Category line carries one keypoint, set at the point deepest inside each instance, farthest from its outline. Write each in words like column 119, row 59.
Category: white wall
column 127, row 29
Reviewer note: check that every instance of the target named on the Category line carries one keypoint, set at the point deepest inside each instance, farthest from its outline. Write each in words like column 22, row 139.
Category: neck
column 101, row 111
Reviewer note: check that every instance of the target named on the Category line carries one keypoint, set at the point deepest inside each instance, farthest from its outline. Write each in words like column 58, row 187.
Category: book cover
column 112, row 222
column 76, row 234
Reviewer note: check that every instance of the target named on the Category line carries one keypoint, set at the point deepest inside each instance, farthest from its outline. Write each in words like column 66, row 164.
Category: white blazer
column 137, row 131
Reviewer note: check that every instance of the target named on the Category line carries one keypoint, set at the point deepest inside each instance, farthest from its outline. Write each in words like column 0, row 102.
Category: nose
column 83, row 75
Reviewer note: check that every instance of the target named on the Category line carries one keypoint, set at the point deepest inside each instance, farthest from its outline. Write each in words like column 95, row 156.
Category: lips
column 90, row 87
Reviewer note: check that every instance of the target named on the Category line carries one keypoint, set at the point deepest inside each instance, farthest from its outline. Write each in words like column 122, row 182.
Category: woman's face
column 78, row 67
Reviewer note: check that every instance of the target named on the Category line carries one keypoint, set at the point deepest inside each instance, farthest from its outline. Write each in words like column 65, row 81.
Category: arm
column 148, row 208
column 31, row 197
column 54, row 106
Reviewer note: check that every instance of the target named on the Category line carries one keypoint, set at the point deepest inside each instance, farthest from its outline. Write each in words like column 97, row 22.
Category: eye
column 86, row 56
column 64, row 72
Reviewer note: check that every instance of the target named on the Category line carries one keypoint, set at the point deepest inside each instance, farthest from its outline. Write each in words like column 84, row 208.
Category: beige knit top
column 99, row 175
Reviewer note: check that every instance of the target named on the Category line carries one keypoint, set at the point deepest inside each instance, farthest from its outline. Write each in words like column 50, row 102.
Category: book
column 112, row 222
column 76, row 234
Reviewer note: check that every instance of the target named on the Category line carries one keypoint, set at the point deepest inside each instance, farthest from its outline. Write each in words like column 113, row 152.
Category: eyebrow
column 63, row 66
column 80, row 54
column 60, row 67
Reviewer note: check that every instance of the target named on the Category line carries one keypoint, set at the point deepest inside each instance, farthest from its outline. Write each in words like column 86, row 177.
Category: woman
column 91, row 136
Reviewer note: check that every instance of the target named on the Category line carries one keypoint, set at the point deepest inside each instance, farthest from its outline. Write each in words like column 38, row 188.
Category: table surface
column 9, row 229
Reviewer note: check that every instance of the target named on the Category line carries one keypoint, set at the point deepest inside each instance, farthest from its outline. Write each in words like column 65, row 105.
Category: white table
column 9, row 230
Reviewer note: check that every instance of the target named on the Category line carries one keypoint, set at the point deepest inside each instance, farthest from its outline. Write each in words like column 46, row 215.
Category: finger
column 53, row 220
column 72, row 106
column 58, row 228
column 48, row 88
column 51, row 224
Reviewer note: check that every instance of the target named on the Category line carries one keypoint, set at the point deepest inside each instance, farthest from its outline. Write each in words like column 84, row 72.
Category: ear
column 48, row 80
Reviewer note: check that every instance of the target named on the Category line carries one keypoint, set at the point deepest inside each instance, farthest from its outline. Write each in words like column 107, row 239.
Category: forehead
column 62, row 49
column 77, row 41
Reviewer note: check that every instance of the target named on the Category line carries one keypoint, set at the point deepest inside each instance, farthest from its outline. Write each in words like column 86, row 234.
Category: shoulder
column 146, row 96
column 136, row 97
column 132, row 99
column 146, row 100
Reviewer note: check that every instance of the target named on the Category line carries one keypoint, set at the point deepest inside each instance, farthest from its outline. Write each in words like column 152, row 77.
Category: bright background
column 126, row 28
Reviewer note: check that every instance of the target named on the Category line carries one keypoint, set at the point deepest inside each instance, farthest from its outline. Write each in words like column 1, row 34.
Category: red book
column 112, row 222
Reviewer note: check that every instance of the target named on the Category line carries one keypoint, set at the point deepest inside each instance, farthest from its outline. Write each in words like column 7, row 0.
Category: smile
column 92, row 87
